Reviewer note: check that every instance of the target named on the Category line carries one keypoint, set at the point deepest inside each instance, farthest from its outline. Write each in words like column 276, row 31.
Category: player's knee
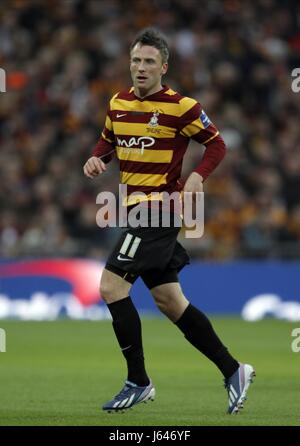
column 162, row 300
column 170, row 300
column 106, row 291
column 113, row 287
column 163, row 307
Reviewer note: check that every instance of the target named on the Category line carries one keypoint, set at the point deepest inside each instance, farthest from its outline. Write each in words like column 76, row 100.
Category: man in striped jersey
column 148, row 127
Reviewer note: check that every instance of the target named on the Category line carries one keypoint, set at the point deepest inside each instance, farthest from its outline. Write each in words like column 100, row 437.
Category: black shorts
column 152, row 253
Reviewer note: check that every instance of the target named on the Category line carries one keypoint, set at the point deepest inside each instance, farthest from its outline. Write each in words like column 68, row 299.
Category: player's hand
column 194, row 183
column 93, row 167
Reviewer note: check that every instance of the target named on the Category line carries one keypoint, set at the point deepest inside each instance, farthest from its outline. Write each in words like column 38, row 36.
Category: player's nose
column 141, row 68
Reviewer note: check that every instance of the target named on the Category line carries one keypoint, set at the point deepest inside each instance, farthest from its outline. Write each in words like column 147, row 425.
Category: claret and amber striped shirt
column 150, row 137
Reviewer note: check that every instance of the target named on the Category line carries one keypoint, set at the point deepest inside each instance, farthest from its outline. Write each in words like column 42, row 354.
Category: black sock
column 200, row 333
column 128, row 330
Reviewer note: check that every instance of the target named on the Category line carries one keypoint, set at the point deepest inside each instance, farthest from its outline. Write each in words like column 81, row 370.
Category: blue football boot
column 237, row 386
column 130, row 395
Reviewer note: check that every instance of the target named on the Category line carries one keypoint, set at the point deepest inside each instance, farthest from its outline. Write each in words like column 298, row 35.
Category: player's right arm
column 103, row 151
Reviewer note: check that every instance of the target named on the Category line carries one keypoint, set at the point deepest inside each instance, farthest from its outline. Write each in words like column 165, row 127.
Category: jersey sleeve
column 106, row 144
column 195, row 124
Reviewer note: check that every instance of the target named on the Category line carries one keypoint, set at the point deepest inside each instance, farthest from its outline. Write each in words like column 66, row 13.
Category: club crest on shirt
column 154, row 119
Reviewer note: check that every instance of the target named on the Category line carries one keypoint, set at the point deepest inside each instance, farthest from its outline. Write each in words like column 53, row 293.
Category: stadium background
column 63, row 61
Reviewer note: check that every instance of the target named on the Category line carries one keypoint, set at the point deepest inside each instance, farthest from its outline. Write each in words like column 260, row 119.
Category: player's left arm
column 199, row 128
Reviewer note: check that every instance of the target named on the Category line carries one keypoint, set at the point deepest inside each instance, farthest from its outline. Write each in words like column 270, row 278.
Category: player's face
column 146, row 68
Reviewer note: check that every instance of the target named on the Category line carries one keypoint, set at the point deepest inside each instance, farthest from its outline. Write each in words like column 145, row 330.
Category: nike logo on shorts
column 124, row 258
column 120, row 116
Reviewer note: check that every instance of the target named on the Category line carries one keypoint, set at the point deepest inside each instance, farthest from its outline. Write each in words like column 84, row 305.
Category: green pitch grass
column 59, row 373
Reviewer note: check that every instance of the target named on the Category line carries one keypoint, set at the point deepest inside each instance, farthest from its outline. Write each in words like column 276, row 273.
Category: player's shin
column 200, row 333
column 128, row 330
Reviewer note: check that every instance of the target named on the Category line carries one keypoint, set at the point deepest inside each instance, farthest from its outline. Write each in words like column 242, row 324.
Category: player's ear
column 164, row 68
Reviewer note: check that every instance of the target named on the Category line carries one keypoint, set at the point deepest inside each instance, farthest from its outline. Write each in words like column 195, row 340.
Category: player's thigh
column 113, row 287
column 165, row 289
column 167, row 292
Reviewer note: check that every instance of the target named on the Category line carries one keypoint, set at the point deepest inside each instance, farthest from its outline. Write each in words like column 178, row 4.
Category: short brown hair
column 153, row 37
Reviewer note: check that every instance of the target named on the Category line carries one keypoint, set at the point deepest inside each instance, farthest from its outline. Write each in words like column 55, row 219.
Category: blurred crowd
column 65, row 59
